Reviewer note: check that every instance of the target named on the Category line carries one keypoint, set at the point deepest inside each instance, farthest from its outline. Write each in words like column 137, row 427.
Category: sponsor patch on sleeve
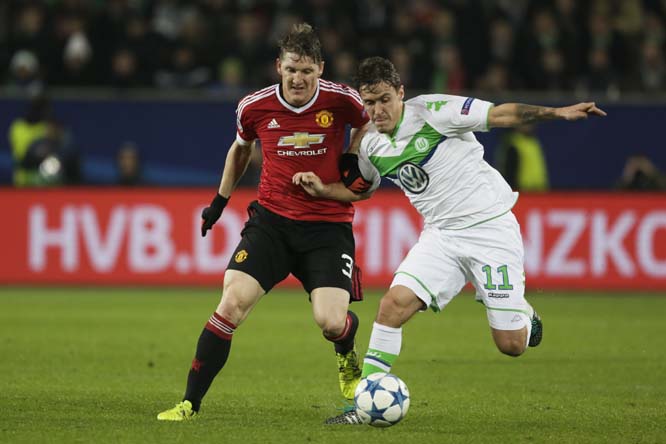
column 466, row 106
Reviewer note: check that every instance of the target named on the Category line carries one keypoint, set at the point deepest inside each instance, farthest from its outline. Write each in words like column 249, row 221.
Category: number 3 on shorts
column 348, row 265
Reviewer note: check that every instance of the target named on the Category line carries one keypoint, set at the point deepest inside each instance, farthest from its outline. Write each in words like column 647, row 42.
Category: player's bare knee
column 511, row 347
column 332, row 332
column 332, row 325
column 510, row 342
column 241, row 292
column 329, row 307
column 230, row 309
column 234, row 305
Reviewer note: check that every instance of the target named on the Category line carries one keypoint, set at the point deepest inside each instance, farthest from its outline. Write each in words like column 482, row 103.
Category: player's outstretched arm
column 313, row 185
column 515, row 114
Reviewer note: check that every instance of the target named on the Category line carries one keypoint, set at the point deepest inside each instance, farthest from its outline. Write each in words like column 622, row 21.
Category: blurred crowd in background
column 606, row 49
column 603, row 46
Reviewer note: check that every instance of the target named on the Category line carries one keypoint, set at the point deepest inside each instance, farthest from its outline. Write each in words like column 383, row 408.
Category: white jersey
column 435, row 159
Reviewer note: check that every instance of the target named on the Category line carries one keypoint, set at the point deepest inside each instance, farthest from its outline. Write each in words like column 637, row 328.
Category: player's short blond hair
column 303, row 41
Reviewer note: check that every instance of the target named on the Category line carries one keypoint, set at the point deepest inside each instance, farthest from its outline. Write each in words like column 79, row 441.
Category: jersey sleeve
column 457, row 115
column 357, row 115
column 368, row 170
column 245, row 132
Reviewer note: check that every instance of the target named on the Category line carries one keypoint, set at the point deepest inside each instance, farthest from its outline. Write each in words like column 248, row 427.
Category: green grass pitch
column 96, row 365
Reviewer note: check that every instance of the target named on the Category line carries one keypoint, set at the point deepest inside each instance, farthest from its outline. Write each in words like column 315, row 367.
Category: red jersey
column 307, row 138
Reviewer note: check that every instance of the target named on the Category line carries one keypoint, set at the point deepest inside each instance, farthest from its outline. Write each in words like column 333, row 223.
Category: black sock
column 345, row 341
column 211, row 355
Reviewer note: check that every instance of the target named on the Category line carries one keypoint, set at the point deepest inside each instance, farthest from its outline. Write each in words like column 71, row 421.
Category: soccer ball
column 381, row 399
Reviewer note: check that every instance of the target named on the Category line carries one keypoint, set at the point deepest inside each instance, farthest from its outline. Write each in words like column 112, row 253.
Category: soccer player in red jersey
column 301, row 125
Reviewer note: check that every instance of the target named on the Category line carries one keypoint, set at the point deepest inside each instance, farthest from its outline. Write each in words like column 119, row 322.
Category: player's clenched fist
column 212, row 213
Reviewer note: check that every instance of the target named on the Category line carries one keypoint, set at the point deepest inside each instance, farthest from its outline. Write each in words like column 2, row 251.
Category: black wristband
column 347, row 160
column 350, row 173
column 219, row 201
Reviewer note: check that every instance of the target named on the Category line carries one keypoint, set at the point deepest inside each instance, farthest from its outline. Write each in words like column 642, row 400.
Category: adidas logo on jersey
column 273, row 124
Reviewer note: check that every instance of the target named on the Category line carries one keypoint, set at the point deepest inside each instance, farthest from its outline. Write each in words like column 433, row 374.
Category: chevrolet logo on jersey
column 301, row 140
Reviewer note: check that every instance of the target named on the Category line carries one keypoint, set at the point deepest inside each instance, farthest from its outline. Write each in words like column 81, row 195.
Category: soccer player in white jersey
column 426, row 146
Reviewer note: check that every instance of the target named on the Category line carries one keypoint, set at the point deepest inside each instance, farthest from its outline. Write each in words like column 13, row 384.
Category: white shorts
column 489, row 255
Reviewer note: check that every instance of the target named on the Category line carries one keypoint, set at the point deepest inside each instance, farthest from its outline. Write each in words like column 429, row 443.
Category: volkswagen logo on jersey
column 413, row 177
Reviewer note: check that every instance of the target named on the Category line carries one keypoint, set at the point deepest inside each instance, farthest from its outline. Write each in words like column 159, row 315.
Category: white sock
column 383, row 350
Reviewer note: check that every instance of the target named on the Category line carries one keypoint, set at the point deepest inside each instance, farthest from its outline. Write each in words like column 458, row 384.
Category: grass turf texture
column 96, row 365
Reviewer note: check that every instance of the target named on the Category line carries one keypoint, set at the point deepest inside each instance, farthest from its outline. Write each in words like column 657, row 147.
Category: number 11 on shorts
column 503, row 270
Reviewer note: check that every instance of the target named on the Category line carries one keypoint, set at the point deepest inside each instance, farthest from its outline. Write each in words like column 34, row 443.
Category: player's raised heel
column 181, row 412
column 349, row 373
column 346, row 418
column 537, row 331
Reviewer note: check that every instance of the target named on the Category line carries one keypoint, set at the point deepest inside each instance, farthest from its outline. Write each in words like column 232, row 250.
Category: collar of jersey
column 397, row 127
column 300, row 109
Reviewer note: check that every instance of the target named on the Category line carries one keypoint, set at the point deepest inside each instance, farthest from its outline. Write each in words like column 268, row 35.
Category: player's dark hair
column 376, row 70
column 303, row 41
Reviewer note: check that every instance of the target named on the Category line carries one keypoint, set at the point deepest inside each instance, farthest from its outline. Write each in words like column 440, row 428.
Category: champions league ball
column 381, row 399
